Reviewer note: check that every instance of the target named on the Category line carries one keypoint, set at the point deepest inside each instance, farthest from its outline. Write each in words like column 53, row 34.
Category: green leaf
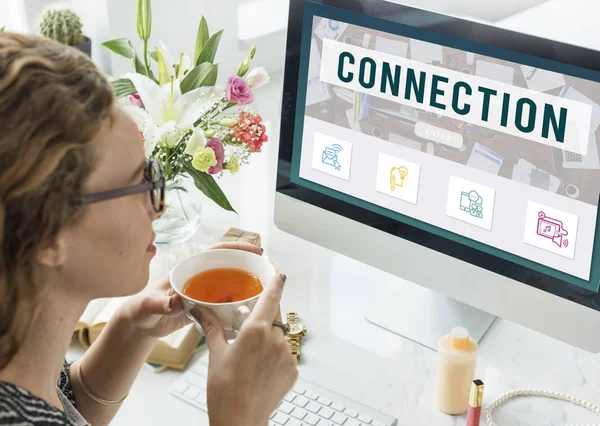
column 209, row 187
column 210, row 49
column 124, row 47
column 201, row 38
column 121, row 46
column 140, row 68
column 2, row 28
column 203, row 75
column 154, row 56
column 123, row 87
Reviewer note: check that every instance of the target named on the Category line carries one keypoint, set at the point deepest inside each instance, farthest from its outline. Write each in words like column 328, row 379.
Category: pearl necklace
column 538, row 392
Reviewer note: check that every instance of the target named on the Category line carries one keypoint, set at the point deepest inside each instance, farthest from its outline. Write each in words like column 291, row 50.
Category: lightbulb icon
column 397, row 176
column 403, row 173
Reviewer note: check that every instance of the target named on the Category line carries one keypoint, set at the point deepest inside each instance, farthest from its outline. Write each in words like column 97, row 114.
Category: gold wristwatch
column 296, row 333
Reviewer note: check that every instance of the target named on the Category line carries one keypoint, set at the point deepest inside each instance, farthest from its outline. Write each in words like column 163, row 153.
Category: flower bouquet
column 193, row 127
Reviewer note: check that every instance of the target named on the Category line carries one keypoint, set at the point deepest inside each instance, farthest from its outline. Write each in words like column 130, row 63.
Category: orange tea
column 222, row 285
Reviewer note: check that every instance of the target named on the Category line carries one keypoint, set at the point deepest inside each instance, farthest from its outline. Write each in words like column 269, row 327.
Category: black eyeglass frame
column 149, row 186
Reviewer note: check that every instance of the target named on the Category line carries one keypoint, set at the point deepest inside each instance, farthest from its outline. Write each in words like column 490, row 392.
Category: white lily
column 168, row 68
column 166, row 109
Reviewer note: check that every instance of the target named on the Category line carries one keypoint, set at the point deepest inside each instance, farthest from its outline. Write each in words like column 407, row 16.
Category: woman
column 63, row 140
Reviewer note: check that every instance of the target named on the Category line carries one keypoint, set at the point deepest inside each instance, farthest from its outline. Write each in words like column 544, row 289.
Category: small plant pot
column 85, row 47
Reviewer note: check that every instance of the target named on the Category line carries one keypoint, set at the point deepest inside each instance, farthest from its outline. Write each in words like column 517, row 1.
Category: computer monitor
column 459, row 156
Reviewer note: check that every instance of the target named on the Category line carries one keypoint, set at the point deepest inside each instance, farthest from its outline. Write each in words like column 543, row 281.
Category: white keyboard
column 305, row 405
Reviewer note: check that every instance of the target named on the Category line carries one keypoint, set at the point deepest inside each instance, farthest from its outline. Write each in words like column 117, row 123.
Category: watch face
column 296, row 328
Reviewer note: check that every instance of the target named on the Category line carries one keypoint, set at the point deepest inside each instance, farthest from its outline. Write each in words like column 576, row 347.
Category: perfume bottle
column 455, row 371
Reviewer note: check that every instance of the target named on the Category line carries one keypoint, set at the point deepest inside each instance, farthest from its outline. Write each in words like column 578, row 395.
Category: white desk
column 348, row 355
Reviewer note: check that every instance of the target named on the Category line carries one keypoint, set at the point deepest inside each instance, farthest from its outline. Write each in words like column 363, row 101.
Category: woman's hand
column 248, row 378
column 157, row 311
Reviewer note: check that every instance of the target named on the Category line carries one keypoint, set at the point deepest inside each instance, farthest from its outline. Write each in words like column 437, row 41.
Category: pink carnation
column 216, row 145
column 250, row 131
column 238, row 91
column 136, row 100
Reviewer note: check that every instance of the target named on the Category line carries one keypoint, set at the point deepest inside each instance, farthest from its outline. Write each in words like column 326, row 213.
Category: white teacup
column 232, row 314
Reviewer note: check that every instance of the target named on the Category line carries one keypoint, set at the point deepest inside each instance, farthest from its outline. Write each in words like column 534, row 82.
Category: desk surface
column 346, row 353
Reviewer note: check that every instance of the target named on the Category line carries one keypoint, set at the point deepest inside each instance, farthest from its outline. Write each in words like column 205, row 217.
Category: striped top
column 19, row 407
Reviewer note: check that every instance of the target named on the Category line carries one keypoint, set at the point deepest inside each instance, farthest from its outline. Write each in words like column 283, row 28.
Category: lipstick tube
column 475, row 403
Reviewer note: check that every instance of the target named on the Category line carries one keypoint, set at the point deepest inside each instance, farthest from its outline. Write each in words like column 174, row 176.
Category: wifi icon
column 337, row 148
column 565, row 243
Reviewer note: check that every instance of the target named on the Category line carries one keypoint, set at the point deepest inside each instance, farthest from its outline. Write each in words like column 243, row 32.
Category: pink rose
column 216, row 145
column 238, row 91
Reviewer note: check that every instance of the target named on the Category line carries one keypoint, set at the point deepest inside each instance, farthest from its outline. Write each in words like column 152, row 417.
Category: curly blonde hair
column 53, row 101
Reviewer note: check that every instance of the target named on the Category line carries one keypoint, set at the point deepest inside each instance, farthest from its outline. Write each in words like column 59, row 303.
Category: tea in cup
column 226, row 281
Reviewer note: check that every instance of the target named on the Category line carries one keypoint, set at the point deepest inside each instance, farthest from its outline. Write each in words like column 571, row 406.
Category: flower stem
column 182, row 206
column 146, row 56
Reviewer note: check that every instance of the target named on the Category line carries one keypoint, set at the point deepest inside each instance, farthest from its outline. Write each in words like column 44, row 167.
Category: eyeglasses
column 154, row 183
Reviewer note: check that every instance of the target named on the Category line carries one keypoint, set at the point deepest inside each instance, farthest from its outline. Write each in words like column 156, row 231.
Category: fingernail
column 262, row 250
column 283, row 277
column 195, row 313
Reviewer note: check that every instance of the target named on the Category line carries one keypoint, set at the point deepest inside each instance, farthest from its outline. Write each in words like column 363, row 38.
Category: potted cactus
column 64, row 26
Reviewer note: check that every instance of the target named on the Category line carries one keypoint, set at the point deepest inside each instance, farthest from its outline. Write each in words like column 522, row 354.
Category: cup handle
column 241, row 314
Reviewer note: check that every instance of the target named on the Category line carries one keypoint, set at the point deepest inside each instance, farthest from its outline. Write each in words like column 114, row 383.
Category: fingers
column 213, row 329
column 156, row 305
column 236, row 245
column 278, row 316
column 176, row 305
column 268, row 303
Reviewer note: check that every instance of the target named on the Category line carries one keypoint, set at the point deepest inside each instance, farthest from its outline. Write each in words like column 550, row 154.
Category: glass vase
column 183, row 212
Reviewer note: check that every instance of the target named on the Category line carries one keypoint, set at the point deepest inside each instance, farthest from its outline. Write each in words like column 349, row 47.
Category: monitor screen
column 462, row 137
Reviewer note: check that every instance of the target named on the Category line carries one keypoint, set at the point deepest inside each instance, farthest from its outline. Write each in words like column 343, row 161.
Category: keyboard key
column 299, row 390
column 180, row 387
column 352, row 422
column 200, row 369
column 192, row 392
column 365, row 419
column 324, row 401
column 338, row 407
column 286, row 407
column 273, row 414
column 300, row 401
column 313, row 407
column 293, row 422
column 289, row 397
column 326, row 413
column 311, row 395
column 201, row 398
column 325, row 423
column 281, row 419
column 299, row 413
column 339, row 419
column 350, row 413
column 311, row 419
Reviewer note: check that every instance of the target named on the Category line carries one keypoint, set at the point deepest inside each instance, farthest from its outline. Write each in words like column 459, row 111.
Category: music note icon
column 553, row 229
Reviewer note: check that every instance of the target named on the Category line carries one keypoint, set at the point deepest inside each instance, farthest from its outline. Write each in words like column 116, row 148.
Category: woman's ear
column 53, row 255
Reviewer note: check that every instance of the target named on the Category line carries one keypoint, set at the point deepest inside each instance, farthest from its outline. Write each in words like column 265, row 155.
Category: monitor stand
column 425, row 316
